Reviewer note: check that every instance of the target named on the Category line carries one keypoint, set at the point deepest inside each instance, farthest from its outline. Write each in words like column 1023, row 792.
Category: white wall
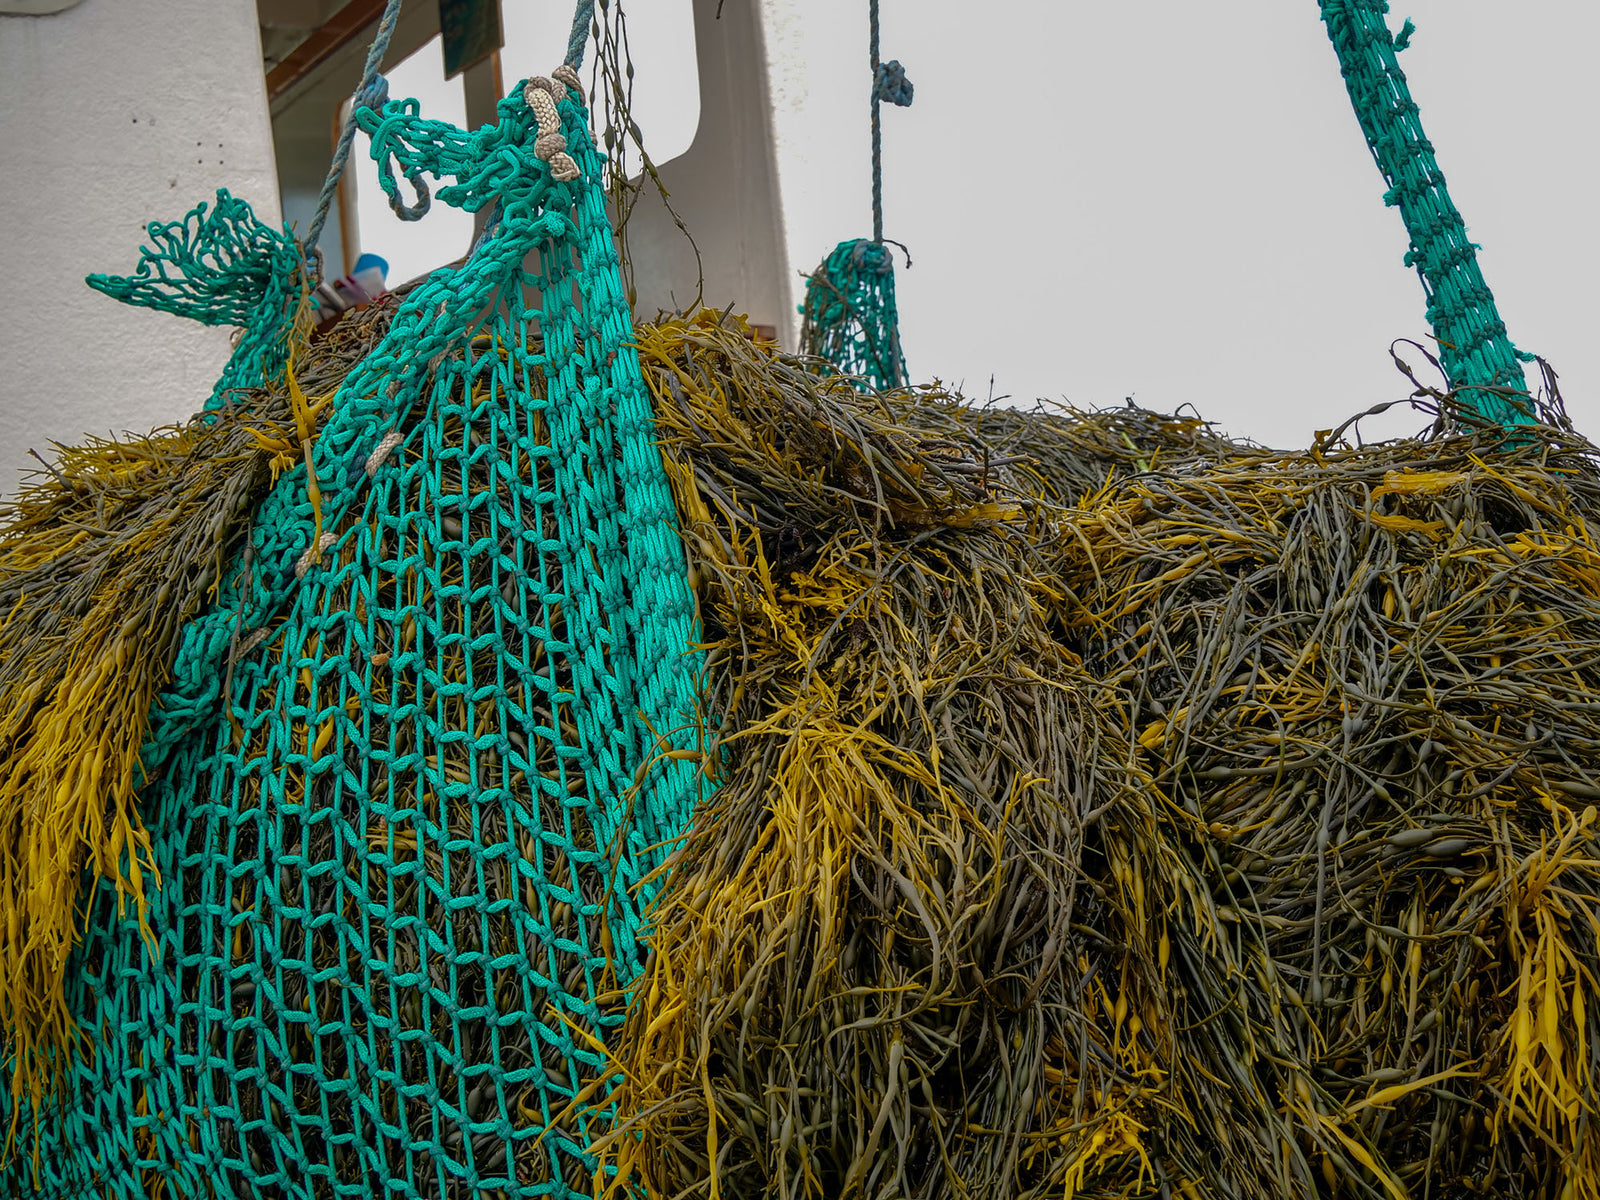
column 112, row 114
column 725, row 187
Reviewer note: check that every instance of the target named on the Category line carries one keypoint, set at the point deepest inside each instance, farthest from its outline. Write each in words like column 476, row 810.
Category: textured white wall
column 112, row 114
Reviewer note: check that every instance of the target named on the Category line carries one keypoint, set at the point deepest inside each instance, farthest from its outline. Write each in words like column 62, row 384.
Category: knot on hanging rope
column 872, row 257
column 551, row 145
column 373, row 95
column 891, row 85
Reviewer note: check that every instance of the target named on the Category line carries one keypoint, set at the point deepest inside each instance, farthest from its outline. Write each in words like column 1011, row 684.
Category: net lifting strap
column 1475, row 350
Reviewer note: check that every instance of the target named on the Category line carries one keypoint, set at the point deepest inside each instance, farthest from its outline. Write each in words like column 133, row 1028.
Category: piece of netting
column 225, row 268
column 1474, row 348
column 850, row 318
column 406, row 806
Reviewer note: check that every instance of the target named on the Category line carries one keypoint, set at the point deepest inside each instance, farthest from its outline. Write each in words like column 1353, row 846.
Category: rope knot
column 873, row 257
column 373, row 95
column 565, row 74
column 891, row 84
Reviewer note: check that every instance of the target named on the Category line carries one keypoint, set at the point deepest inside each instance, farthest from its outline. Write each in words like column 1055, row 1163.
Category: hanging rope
column 370, row 93
column 582, row 17
column 851, row 320
column 889, row 83
column 1475, row 350
column 877, row 133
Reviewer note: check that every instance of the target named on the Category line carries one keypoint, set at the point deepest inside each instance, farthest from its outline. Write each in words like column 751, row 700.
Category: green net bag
column 850, row 318
column 418, row 761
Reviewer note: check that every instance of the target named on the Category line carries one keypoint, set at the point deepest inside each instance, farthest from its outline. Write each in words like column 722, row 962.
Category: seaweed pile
column 1110, row 810
column 1106, row 808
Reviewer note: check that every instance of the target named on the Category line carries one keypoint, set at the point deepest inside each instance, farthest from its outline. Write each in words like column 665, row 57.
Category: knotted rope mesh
column 406, row 799
column 850, row 317
column 225, row 268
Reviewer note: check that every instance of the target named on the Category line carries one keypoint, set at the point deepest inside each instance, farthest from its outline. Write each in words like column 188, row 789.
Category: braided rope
column 582, row 16
column 877, row 128
column 551, row 146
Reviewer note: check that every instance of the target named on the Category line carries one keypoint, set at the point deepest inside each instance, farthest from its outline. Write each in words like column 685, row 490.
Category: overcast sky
column 1173, row 200
column 1169, row 200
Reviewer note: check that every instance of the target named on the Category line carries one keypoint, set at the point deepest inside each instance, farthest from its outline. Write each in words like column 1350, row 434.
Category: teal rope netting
column 1476, row 352
column 851, row 320
column 407, row 855
column 225, row 268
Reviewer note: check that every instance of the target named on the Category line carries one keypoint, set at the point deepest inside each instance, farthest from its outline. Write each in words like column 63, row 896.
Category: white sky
column 1165, row 199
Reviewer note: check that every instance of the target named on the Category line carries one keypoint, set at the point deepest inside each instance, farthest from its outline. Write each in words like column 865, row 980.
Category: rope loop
column 412, row 212
column 569, row 76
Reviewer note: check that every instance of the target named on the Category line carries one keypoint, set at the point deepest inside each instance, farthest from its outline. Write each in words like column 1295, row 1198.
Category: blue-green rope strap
column 1476, row 352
